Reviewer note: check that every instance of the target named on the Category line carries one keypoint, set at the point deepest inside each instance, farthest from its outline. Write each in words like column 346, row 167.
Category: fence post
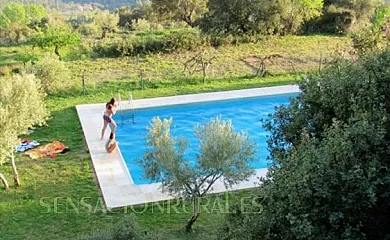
column 83, row 79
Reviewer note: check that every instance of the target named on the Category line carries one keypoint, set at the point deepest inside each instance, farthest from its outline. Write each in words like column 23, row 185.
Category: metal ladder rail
column 132, row 107
column 120, row 108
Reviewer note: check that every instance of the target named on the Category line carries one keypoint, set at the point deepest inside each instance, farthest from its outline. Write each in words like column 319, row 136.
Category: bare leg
column 103, row 130
column 113, row 126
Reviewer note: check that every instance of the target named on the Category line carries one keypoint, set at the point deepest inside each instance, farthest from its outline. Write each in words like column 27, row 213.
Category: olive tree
column 21, row 107
column 52, row 72
column 187, row 11
column 223, row 155
column 106, row 21
column 4, row 181
column 56, row 37
column 297, row 12
column 240, row 17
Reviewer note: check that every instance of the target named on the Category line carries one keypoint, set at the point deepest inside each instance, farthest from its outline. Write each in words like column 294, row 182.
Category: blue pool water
column 245, row 113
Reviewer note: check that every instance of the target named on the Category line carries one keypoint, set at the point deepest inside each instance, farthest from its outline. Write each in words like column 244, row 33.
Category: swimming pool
column 245, row 113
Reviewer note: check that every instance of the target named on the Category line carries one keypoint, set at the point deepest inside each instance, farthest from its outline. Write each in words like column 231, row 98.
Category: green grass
column 298, row 54
column 71, row 175
column 17, row 54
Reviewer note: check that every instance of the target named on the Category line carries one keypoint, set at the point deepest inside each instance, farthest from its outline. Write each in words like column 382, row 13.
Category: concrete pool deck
column 114, row 179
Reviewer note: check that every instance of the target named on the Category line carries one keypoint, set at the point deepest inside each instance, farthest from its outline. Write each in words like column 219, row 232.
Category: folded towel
column 26, row 145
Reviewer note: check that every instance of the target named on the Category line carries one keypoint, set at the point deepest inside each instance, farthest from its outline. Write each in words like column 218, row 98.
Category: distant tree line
column 48, row 4
column 242, row 17
column 108, row 4
column 213, row 17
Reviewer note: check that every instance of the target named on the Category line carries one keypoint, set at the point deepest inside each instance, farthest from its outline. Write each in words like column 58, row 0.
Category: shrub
column 105, row 49
column 329, row 176
column 377, row 36
column 125, row 47
column 183, row 41
column 335, row 20
column 141, row 24
column 156, row 27
column 89, row 29
column 150, row 42
column 52, row 72
column 216, row 40
column 366, row 40
column 152, row 45
column 177, row 25
column 127, row 230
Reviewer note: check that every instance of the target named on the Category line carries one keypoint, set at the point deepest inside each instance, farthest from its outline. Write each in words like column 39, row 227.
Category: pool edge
column 114, row 178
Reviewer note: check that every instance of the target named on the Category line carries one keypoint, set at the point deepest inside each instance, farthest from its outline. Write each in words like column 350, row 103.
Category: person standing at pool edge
column 107, row 116
column 113, row 102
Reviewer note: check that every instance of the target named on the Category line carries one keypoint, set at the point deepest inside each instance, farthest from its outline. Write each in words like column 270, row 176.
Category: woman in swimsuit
column 114, row 103
column 107, row 117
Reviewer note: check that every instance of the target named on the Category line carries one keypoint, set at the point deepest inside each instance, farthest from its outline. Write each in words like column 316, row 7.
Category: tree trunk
column 15, row 171
column 18, row 35
column 5, row 183
column 195, row 214
column 187, row 19
column 204, row 69
column 104, row 33
column 57, row 52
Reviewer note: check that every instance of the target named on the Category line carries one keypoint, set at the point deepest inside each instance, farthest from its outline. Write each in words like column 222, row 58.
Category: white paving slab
column 115, row 181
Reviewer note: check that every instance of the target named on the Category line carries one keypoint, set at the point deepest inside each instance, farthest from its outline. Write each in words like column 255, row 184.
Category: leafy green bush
column 330, row 176
column 53, row 73
column 248, row 17
column 366, row 40
column 335, row 20
column 183, row 41
column 88, row 29
column 147, row 43
column 375, row 37
column 127, row 229
column 126, row 46
column 141, row 25
column 105, row 49
column 133, row 46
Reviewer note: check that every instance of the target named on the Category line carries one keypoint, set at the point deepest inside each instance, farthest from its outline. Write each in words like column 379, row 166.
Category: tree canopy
column 106, row 21
column 56, row 37
column 223, row 155
column 53, row 73
column 330, row 176
column 187, row 11
column 21, row 107
column 260, row 16
column 18, row 20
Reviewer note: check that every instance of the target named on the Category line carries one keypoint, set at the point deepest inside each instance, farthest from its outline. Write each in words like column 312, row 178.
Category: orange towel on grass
column 49, row 149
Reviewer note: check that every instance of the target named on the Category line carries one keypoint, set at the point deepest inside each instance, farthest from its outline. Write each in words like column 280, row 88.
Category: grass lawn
column 49, row 204
column 296, row 54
